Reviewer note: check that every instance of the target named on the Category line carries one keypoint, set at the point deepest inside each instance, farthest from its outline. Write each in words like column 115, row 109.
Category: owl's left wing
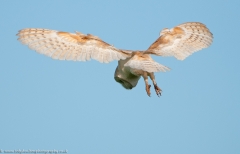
column 70, row 46
column 182, row 40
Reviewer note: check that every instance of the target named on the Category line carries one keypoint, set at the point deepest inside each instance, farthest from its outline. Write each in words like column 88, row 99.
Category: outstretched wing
column 69, row 46
column 182, row 40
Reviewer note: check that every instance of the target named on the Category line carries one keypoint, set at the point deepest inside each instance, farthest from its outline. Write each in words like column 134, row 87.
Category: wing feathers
column 182, row 40
column 146, row 63
column 69, row 46
column 149, row 66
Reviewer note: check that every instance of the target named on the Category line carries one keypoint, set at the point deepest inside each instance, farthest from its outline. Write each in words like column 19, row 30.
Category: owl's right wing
column 70, row 46
column 182, row 40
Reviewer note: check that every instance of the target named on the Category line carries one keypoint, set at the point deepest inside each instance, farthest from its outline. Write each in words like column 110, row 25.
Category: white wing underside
column 147, row 65
column 183, row 40
column 49, row 43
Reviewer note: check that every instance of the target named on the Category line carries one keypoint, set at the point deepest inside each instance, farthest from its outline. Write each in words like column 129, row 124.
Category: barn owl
column 180, row 42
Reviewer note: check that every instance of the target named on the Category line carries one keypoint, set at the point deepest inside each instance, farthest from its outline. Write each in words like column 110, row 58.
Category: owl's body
column 180, row 42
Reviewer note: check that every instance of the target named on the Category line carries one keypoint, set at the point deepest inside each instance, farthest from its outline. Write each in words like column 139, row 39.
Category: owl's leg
column 145, row 77
column 157, row 89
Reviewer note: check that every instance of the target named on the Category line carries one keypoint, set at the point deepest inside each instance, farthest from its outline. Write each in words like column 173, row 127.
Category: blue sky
column 48, row 104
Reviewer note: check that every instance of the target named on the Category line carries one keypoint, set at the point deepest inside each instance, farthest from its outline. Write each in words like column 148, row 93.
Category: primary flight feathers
column 182, row 40
column 69, row 46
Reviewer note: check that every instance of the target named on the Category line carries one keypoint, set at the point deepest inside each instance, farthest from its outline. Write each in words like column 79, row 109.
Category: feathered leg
column 145, row 77
column 157, row 89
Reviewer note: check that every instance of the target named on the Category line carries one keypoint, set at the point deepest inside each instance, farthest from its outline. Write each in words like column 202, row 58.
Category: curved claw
column 158, row 90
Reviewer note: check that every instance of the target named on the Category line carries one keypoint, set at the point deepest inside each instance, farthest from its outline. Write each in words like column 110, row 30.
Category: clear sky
column 48, row 104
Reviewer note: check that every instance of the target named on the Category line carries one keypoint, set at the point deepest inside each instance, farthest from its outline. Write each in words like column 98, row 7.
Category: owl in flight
column 180, row 42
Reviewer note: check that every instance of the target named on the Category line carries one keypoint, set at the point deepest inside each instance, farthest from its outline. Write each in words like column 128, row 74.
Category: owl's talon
column 148, row 90
column 158, row 90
